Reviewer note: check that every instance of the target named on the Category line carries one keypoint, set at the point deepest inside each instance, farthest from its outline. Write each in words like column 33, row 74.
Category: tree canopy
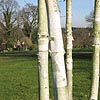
column 18, row 23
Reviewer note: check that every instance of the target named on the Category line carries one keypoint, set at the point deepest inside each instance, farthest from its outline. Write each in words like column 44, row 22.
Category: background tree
column 18, row 23
column 29, row 16
column 90, row 19
column 2, row 35
column 83, row 37
column 8, row 10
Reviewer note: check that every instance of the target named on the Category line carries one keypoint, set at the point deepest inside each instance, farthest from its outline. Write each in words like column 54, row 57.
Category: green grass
column 82, row 79
column 19, row 78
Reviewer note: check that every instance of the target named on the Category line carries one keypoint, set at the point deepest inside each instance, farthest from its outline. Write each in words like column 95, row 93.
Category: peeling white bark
column 43, row 52
column 58, row 69
column 57, row 51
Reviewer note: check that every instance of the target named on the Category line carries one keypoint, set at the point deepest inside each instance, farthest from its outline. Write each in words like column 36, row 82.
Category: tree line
column 21, row 25
column 18, row 24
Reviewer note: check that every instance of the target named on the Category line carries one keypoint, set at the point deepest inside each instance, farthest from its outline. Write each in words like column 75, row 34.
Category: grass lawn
column 82, row 79
column 19, row 78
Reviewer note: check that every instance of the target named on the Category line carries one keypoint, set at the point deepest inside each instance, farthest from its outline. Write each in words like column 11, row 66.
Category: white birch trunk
column 69, row 46
column 43, row 52
column 95, row 81
column 57, row 51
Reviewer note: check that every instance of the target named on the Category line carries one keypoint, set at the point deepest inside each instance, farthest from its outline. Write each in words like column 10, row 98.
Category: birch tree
column 43, row 52
column 69, row 46
column 95, row 81
column 57, row 51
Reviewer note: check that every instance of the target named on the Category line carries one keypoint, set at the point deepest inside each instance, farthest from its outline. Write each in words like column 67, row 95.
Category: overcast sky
column 80, row 9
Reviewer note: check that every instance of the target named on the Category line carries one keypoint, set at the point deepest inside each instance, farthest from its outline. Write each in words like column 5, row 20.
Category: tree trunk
column 43, row 52
column 95, row 81
column 30, row 35
column 69, row 46
column 57, row 52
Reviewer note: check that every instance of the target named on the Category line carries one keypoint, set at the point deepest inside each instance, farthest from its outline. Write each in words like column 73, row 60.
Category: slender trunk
column 30, row 36
column 43, row 52
column 69, row 46
column 95, row 81
column 57, row 52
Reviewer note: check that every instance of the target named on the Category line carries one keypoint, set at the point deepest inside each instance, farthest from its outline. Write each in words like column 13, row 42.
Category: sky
column 80, row 9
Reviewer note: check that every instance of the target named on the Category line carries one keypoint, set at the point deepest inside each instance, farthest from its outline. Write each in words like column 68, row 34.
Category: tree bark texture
column 95, row 81
column 57, row 51
column 69, row 46
column 43, row 52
